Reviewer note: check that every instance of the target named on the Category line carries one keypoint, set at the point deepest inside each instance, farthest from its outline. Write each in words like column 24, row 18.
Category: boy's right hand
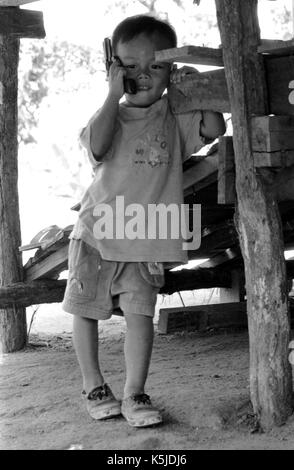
column 116, row 79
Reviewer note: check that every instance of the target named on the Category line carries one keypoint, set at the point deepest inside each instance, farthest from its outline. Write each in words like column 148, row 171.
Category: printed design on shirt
column 152, row 150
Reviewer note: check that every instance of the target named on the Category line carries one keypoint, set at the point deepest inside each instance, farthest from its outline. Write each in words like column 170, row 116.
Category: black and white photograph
column 149, row 141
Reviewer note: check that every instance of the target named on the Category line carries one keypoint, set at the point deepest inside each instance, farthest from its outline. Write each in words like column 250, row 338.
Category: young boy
column 136, row 148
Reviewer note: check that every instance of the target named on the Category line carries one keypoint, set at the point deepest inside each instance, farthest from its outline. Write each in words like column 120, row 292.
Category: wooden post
column 14, row 23
column 258, row 220
column 13, row 331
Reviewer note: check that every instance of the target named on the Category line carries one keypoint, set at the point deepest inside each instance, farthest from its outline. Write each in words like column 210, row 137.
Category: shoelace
column 142, row 398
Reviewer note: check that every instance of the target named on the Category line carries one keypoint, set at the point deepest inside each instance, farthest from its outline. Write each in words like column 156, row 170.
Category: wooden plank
column 191, row 55
column 214, row 57
column 281, row 159
column 207, row 90
column 32, row 293
column 207, row 167
column 275, row 47
column 48, row 267
column 226, row 192
column 51, row 247
column 280, row 74
column 202, row 317
column 15, row 3
column 13, row 331
column 19, row 23
column 272, row 133
column 227, row 256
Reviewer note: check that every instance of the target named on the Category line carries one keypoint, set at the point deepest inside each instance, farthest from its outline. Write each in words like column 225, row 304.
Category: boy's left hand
column 177, row 75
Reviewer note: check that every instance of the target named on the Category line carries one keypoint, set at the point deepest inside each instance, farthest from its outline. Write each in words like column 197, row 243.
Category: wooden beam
column 197, row 278
column 32, row 293
column 225, row 257
column 205, row 91
column 15, row 3
column 258, row 218
column 214, row 57
column 19, row 23
column 226, row 192
column 194, row 176
column 191, row 55
column 202, row 317
column 13, row 331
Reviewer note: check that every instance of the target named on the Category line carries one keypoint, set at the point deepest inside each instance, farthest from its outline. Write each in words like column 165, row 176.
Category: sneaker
column 101, row 403
column 139, row 412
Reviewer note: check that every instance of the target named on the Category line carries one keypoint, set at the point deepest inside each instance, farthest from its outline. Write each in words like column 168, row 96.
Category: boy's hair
column 131, row 27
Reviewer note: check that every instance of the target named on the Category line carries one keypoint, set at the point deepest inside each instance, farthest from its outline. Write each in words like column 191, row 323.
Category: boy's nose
column 143, row 75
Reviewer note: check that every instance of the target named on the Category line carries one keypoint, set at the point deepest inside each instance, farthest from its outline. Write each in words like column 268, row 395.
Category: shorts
column 97, row 287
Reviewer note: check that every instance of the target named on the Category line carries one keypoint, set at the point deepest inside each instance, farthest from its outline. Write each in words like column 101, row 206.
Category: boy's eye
column 130, row 66
column 157, row 66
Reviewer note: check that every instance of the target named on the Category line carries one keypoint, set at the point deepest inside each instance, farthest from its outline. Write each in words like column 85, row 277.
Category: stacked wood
column 273, row 141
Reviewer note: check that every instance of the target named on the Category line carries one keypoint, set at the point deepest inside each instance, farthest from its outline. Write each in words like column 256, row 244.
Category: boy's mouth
column 143, row 88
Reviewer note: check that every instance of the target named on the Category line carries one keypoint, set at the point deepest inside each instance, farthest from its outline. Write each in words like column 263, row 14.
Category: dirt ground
column 199, row 381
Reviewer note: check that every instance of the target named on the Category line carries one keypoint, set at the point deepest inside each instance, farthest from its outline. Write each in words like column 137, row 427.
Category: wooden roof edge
column 15, row 3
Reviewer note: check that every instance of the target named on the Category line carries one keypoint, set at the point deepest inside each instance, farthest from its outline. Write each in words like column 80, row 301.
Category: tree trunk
column 13, row 319
column 258, row 220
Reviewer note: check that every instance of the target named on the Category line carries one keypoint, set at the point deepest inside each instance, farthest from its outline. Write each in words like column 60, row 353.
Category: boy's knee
column 137, row 320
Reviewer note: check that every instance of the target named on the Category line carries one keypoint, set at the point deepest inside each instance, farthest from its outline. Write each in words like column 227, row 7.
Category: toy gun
column 129, row 84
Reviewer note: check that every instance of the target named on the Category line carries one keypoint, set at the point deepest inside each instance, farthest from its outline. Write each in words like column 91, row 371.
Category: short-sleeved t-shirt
column 129, row 212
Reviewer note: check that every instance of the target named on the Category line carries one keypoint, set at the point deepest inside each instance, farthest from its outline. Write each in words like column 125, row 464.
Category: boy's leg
column 136, row 405
column 137, row 349
column 101, row 403
column 85, row 338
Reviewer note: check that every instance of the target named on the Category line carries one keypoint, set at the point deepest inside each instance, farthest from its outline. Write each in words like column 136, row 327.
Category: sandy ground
column 199, row 381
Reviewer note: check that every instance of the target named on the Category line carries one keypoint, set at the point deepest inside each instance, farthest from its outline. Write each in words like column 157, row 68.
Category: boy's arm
column 103, row 125
column 212, row 125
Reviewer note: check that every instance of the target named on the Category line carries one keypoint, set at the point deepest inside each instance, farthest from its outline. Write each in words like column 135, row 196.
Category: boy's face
column 138, row 58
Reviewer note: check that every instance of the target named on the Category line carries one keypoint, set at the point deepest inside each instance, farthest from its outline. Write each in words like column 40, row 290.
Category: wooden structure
column 14, row 23
column 245, row 189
